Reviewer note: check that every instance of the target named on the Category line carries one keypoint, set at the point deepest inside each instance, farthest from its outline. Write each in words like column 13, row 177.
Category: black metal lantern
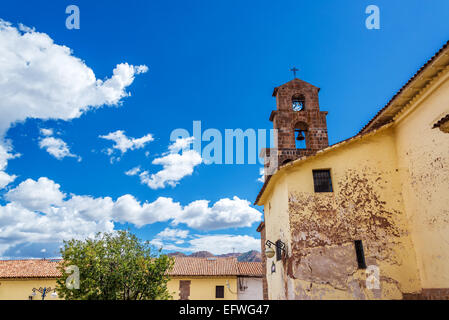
column 279, row 245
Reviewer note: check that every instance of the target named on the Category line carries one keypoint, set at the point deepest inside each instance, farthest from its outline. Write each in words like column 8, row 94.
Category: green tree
column 114, row 266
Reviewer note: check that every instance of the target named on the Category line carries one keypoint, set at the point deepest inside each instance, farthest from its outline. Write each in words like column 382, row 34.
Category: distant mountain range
column 250, row 256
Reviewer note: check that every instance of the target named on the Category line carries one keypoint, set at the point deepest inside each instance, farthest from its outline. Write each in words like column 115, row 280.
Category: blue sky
column 211, row 61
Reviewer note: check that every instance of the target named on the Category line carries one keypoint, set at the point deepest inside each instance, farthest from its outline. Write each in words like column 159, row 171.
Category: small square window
column 219, row 292
column 322, row 181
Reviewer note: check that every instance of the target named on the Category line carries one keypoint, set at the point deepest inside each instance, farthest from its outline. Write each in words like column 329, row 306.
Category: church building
column 368, row 217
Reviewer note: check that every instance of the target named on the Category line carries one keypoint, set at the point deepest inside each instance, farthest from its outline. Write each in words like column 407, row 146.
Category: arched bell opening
column 301, row 131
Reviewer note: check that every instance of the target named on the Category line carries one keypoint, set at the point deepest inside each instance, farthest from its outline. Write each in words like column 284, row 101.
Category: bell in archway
column 300, row 136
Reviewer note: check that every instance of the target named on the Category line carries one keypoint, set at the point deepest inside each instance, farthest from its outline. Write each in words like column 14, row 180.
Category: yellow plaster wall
column 277, row 228
column 203, row 288
column 21, row 289
column 423, row 158
column 322, row 262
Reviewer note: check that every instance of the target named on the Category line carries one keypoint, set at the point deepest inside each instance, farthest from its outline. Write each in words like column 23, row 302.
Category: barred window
column 322, row 180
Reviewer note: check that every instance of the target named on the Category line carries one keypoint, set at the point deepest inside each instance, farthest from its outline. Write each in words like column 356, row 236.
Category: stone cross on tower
column 294, row 70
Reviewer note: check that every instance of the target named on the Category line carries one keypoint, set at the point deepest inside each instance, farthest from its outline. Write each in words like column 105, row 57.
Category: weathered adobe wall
column 423, row 159
column 366, row 205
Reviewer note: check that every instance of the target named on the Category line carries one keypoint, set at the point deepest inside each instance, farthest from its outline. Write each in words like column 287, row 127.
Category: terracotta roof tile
column 184, row 266
column 253, row 269
column 188, row 266
column 29, row 269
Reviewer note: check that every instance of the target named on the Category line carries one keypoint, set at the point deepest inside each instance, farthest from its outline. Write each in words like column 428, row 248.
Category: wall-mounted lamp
column 269, row 252
column 44, row 292
column 279, row 245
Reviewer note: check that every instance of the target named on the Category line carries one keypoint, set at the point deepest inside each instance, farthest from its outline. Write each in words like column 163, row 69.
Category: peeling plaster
column 324, row 227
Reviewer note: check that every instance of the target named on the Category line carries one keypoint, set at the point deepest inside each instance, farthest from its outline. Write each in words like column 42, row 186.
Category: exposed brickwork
column 286, row 120
column 261, row 229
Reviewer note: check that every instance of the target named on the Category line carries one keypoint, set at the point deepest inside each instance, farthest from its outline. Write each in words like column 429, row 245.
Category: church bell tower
column 301, row 126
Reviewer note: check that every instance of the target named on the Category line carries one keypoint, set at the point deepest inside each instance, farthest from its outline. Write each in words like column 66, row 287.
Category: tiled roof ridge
column 415, row 76
column 184, row 266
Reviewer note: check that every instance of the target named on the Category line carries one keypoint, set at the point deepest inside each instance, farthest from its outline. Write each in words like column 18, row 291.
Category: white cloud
column 175, row 166
column 220, row 244
column 133, row 172
column 181, row 144
column 36, row 195
column 169, row 239
column 20, row 226
column 46, row 132
column 57, row 148
column 216, row 244
column 124, row 143
column 43, row 80
column 158, row 243
column 6, row 179
column 225, row 213
column 5, row 155
column 39, row 212
column 172, row 234
column 262, row 175
column 128, row 209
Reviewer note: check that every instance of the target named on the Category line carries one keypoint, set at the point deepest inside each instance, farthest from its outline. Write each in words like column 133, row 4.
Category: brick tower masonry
column 297, row 114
